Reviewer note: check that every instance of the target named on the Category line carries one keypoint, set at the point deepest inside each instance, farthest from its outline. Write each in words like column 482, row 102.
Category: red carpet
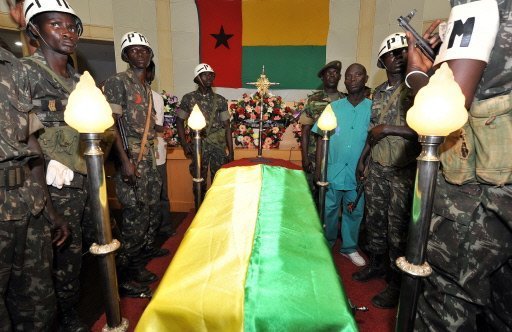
column 360, row 294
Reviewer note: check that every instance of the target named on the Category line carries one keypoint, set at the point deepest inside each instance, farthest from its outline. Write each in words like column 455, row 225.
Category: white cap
column 33, row 7
column 390, row 43
column 201, row 68
column 134, row 38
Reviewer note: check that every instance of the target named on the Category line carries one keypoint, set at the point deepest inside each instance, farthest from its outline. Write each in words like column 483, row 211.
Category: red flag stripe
column 220, row 26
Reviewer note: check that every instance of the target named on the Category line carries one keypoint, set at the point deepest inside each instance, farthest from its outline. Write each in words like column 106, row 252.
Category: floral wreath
column 171, row 107
column 245, row 114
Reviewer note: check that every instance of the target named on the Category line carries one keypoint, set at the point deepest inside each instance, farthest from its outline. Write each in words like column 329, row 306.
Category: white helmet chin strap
column 38, row 33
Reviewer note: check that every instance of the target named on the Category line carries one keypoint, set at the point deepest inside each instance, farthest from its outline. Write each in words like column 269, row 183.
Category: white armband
column 471, row 32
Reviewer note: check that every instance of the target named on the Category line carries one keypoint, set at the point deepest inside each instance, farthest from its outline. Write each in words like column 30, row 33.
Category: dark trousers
column 470, row 251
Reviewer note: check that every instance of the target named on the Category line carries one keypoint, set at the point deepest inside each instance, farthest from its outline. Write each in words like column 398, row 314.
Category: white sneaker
column 355, row 258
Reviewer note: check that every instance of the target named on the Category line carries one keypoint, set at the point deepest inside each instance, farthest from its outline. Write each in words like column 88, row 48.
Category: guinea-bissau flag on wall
column 288, row 37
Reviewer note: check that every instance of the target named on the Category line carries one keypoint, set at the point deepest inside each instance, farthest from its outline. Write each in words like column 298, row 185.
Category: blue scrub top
column 346, row 142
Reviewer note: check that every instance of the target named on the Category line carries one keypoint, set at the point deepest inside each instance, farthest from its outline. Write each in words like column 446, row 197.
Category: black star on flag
column 221, row 37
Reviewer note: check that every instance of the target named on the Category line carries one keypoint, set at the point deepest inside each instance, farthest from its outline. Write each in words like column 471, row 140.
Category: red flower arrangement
column 246, row 113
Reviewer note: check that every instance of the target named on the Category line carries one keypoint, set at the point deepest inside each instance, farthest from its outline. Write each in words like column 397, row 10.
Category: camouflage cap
column 333, row 64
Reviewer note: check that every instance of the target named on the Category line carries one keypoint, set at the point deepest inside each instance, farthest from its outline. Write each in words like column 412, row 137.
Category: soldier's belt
column 12, row 177
column 135, row 148
column 134, row 143
column 51, row 105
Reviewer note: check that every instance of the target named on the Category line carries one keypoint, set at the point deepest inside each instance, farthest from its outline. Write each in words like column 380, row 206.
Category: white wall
column 140, row 15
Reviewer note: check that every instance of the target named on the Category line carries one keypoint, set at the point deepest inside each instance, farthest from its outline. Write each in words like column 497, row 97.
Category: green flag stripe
column 292, row 283
column 294, row 67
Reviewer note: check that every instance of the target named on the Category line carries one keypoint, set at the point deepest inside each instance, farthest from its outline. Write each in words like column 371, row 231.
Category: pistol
column 421, row 43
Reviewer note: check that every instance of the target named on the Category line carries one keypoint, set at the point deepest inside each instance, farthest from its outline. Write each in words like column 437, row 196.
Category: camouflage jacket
column 130, row 98
column 215, row 110
column 315, row 104
column 49, row 94
column 479, row 151
column 392, row 150
column 14, row 152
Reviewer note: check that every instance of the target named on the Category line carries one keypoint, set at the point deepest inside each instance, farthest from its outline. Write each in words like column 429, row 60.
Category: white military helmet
column 390, row 43
column 202, row 68
column 134, row 38
column 33, row 7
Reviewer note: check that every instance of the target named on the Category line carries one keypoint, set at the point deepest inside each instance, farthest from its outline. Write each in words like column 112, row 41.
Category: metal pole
column 414, row 264
column 198, row 180
column 106, row 246
column 260, row 129
column 322, row 182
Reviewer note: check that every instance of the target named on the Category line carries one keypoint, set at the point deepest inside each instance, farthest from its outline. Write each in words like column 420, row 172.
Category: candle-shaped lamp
column 326, row 122
column 197, row 122
column 90, row 114
column 87, row 110
column 438, row 110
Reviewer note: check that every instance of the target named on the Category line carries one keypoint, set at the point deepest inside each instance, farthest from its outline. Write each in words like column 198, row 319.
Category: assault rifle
column 126, row 147
column 421, row 43
column 124, row 137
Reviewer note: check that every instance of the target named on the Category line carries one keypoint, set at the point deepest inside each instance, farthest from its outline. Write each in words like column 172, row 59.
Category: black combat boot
column 153, row 252
column 69, row 321
column 375, row 269
column 388, row 298
column 128, row 287
column 133, row 289
column 143, row 276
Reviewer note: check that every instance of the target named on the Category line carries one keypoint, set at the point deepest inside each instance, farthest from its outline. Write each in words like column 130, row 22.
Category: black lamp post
column 326, row 123
column 89, row 113
column 438, row 110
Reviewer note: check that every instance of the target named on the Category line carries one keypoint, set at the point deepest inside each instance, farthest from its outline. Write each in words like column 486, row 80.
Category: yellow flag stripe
column 285, row 22
column 207, row 275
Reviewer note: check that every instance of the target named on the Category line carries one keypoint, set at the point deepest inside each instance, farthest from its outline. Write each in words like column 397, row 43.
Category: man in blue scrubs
column 346, row 144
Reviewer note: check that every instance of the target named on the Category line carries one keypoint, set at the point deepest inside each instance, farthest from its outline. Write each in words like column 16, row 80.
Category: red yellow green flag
column 253, row 259
column 288, row 37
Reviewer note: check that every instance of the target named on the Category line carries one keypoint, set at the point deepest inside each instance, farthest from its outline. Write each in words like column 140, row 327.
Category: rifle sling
column 146, row 127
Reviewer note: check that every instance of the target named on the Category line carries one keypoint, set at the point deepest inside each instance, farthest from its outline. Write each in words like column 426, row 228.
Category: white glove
column 58, row 174
column 68, row 176
column 51, row 173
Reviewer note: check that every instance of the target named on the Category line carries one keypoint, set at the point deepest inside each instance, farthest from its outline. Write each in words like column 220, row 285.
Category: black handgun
column 351, row 206
column 421, row 43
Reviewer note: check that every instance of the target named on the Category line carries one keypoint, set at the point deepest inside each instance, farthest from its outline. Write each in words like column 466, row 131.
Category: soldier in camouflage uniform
column 470, row 243
column 330, row 74
column 27, row 300
column 137, row 182
column 217, row 133
column 51, row 81
column 393, row 147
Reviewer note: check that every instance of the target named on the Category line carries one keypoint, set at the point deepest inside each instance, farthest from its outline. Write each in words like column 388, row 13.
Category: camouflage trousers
column 165, row 206
column 213, row 157
column 388, row 193
column 470, row 251
column 140, row 215
column 70, row 203
column 13, row 235
column 31, row 297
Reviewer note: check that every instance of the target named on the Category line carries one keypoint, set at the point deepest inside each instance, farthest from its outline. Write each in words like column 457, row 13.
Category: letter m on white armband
column 471, row 32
